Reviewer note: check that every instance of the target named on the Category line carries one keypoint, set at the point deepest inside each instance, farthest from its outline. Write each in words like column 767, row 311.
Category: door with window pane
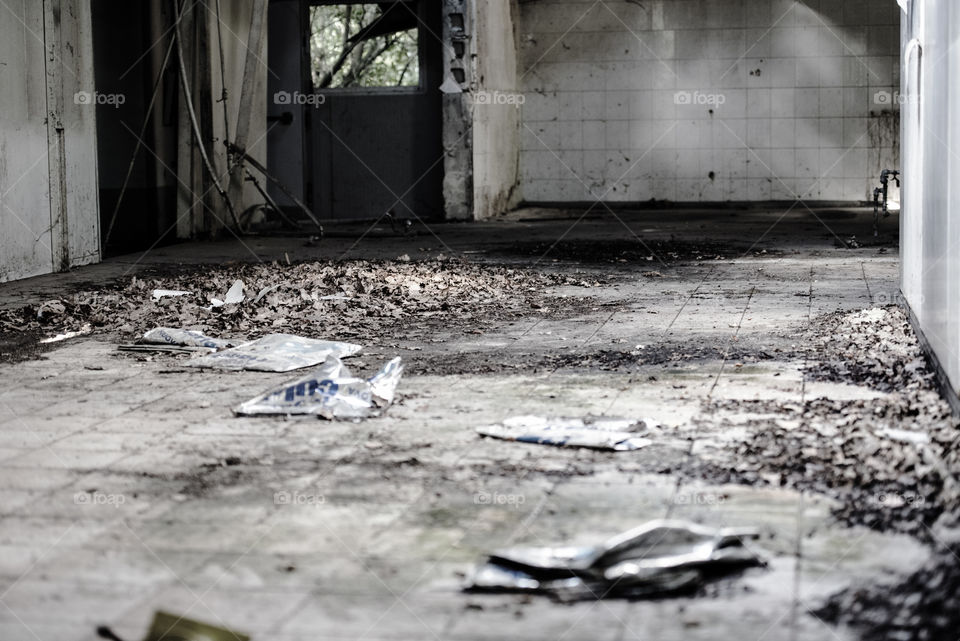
column 373, row 112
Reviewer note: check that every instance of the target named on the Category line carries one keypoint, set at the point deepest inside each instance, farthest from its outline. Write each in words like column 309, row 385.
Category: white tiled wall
column 619, row 96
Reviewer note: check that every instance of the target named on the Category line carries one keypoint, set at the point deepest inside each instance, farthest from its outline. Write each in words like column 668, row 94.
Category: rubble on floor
column 631, row 250
column 875, row 347
column 848, row 449
column 350, row 298
column 925, row 606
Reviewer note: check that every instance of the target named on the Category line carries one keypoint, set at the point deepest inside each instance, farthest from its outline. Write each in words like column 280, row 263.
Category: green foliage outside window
column 364, row 45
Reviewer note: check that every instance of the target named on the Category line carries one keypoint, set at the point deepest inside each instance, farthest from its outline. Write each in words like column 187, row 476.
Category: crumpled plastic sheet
column 618, row 434
column 657, row 558
column 276, row 353
column 330, row 391
column 184, row 337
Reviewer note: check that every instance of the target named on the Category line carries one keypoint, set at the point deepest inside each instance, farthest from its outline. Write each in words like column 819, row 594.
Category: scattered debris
column 276, row 353
column 875, row 347
column 50, row 309
column 659, row 557
column 925, row 606
column 86, row 329
column 168, row 293
column 618, row 434
column 377, row 301
column 330, row 391
column 886, row 460
column 632, row 250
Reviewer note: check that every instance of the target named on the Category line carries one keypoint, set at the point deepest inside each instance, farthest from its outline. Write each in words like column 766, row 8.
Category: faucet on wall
column 880, row 196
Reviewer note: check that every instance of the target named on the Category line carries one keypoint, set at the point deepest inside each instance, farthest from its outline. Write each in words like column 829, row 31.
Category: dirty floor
column 790, row 391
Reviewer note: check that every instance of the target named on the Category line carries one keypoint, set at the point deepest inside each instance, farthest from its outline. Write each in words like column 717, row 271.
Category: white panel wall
column 619, row 99
column 930, row 230
column 46, row 139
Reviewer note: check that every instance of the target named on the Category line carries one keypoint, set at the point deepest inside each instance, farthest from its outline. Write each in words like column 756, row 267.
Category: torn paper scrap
column 618, row 434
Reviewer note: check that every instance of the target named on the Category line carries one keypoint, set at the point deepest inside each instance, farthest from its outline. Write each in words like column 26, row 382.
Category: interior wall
column 48, row 168
column 930, row 232
column 497, row 102
column 707, row 100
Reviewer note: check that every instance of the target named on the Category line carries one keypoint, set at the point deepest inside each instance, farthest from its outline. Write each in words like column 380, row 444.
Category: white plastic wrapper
column 618, row 434
column 330, row 391
column 185, row 337
column 276, row 353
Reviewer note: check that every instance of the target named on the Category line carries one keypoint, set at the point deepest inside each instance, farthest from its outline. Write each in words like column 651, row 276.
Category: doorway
column 361, row 113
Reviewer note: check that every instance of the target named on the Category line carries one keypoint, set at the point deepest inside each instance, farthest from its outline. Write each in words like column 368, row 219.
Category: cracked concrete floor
column 128, row 486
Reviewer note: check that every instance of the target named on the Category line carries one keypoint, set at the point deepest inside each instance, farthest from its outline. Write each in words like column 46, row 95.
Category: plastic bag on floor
column 618, row 434
column 330, row 391
column 656, row 558
column 276, row 353
column 184, row 338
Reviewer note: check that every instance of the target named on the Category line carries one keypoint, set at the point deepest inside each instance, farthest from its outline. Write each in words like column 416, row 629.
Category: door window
column 356, row 45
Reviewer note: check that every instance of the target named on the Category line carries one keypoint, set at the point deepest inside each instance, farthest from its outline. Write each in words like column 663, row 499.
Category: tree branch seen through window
column 364, row 45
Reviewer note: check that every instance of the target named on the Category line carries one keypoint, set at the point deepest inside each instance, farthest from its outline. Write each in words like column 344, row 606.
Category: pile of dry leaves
column 358, row 300
column 890, row 461
column 875, row 348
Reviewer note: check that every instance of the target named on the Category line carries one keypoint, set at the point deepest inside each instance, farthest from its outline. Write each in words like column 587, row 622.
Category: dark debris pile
column 358, row 300
column 923, row 607
column 880, row 457
column 842, row 449
column 630, row 250
column 875, row 348
column 891, row 462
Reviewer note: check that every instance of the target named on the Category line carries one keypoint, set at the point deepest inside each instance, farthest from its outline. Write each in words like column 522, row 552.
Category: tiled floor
column 116, row 500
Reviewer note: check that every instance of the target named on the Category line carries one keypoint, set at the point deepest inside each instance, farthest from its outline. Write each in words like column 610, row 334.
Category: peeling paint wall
column 458, row 44
column 930, row 229
column 707, row 100
column 48, row 179
column 497, row 103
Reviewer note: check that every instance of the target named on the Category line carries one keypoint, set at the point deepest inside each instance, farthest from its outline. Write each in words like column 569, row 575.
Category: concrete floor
column 116, row 499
